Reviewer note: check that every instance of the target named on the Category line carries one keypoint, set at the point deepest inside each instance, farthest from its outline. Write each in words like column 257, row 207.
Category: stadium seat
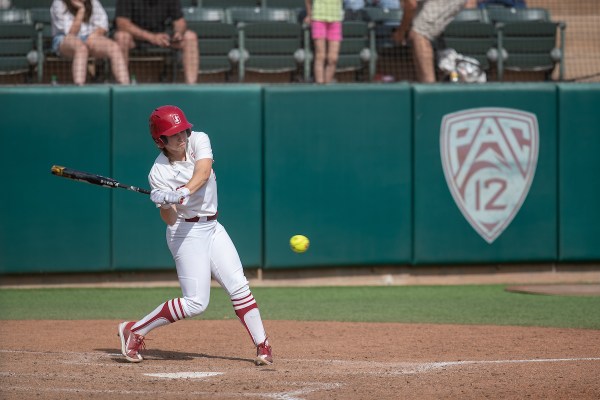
column 357, row 50
column 261, row 14
column 531, row 46
column 506, row 14
column 204, row 14
column 472, row 15
column 527, row 40
column 271, row 47
column 13, row 15
column 29, row 4
column 215, row 39
column 229, row 3
column 386, row 21
column 295, row 4
column 471, row 38
column 18, row 53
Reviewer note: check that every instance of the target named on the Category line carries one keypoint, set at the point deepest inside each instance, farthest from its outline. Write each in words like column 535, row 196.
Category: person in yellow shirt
column 325, row 19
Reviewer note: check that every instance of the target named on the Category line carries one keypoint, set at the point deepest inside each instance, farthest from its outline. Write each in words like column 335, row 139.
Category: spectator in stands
column 422, row 22
column 505, row 3
column 325, row 18
column 389, row 4
column 142, row 23
column 360, row 4
column 79, row 29
column 354, row 10
column 354, row 5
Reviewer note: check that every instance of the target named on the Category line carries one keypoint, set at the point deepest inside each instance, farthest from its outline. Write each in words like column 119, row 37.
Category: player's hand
column 185, row 195
column 158, row 196
column 177, row 196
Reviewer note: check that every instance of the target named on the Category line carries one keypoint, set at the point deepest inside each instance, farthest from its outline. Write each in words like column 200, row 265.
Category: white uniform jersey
column 62, row 19
column 171, row 176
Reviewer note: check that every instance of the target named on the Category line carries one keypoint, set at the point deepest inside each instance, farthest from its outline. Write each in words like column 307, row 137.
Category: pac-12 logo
column 489, row 156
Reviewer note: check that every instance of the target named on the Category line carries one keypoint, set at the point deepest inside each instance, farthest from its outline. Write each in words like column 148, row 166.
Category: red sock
column 169, row 312
column 242, row 306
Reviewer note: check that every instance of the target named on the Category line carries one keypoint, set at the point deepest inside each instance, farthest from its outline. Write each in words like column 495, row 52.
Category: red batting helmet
column 167, row 121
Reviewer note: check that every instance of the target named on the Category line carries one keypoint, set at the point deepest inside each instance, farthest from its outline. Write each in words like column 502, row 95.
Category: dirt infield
column 313, row 361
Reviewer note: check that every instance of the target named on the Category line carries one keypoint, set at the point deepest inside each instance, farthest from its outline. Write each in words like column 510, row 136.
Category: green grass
column 486, row 304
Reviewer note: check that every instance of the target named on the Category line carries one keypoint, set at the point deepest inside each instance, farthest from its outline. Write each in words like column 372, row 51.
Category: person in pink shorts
column 325, row 18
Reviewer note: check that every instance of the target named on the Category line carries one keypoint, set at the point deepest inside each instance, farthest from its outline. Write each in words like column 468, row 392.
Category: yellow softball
column 299, row 243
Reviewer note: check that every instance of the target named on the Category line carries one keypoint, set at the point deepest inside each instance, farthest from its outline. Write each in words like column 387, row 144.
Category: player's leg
column 190, row 246
column 228, row 271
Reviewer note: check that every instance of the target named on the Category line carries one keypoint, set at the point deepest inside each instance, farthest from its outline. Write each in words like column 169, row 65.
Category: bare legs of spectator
column 103, row 47
column 72, row 47
column 125, row 42
column 326, row 57
column 188, row 46
column 319, row 67
column 333, row 50
column 191, row 58
column 96, row 46
column 423, row 54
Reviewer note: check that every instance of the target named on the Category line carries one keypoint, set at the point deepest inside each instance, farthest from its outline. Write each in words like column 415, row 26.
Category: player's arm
column 202, row 170
column 168, row 215
column 158, row 195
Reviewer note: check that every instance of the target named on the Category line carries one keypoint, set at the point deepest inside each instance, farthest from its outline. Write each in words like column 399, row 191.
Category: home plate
column 185, row 375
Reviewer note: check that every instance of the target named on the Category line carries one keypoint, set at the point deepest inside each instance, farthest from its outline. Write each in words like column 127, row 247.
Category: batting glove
column 177, row 196
column 158, row 196
column 185, row 195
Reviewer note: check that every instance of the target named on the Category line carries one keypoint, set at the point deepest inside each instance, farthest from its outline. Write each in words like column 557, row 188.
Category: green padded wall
column 232, row 117
column 338, row 170
column 52, row 224
column 442, row 233
column 579, row 150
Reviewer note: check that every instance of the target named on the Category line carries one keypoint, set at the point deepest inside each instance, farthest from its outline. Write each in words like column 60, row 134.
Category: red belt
column 207, row 218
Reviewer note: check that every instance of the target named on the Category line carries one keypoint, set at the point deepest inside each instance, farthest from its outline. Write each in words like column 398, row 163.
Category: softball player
column 184, row 188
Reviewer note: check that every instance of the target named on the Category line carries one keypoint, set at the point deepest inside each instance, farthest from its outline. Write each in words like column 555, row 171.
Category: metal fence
column 270, row 41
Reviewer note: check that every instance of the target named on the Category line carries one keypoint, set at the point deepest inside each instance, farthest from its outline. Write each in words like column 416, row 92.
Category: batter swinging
column 184, row 188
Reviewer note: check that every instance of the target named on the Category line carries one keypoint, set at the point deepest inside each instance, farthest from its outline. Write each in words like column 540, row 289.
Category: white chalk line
column 84, row 358
column 309, row 387
column 150, row 393
column 405, row 368
column 184, row 375
column 293, row 395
